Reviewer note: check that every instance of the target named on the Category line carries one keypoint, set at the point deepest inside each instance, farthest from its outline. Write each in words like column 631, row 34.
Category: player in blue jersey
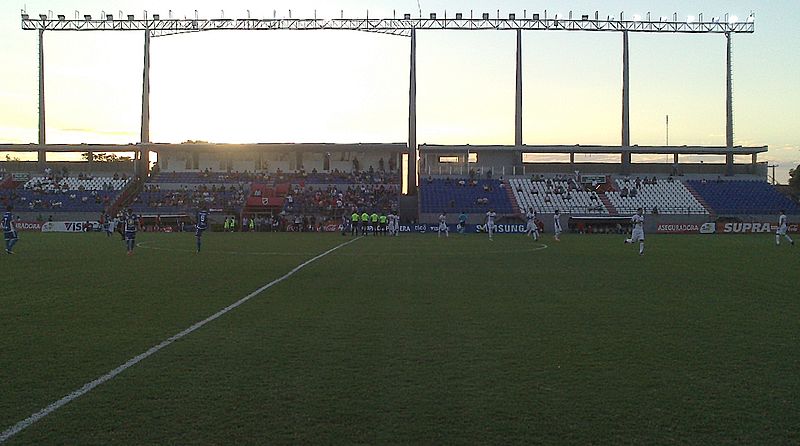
column 201, row 225
column 131, row 224
column 9, row 230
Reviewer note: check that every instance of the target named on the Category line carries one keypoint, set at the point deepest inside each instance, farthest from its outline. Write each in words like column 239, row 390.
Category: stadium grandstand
column 682, row 192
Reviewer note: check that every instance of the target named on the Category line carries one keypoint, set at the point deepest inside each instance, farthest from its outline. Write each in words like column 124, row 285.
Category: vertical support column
column 412, row 118
column 144, row 162
column 626, row 105
column 42, row 158
column 729, row 109
column 518, row 104
column 518, row 109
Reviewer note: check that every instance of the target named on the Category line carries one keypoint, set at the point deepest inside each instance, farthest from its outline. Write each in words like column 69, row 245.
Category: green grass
column 407, row 340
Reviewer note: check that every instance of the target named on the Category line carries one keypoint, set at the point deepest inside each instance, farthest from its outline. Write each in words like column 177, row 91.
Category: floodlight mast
column 155, row 26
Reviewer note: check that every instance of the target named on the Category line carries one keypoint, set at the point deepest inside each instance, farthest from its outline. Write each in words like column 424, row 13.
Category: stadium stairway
column 126, row 197
column 8, row 183
column 700, row 200
column 607, row 203
column 512, row 198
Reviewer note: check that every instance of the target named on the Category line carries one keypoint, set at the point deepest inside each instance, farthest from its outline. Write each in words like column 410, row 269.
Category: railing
column 676, row 210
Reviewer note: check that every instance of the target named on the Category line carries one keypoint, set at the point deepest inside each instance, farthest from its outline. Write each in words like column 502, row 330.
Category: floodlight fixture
column 42, row 16
column 459, row 16
column 406, row 16
column 156, row 16
column 130, row 17
column 62, row 17
column 110, row 17
column 512, row 16
column 433, row 16
column 87, row 17
column 485, row 16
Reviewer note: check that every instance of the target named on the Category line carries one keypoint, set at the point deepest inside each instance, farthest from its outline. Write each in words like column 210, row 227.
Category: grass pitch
column 404, row 340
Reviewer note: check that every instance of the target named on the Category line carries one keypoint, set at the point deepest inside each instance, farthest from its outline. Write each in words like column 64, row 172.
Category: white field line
column 52, row 407
column 394, row 253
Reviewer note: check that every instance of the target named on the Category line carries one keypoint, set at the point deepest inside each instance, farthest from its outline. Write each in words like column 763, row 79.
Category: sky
column 346, row 86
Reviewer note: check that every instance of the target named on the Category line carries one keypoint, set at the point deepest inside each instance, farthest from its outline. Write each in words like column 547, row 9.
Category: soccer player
column 490, row 216
column 112, row 225
column 532, row 229
column 395, row 221
column 557, row 226
column 782, row 229
column 9, row 230
column 390, row 223
column 443, row 225
column 131, row 224
column 638, row 230
column 462, row 222
column 200, row 226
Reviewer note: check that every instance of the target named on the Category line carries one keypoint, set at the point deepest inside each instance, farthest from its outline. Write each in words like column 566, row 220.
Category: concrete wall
column 72, row 167
column 503, row 164
column 272, row 161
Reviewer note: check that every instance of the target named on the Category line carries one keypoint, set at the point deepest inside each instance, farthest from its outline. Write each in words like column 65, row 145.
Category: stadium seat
column 670, row 197
column 547, row 197
column 743, row 197
column 441, row 195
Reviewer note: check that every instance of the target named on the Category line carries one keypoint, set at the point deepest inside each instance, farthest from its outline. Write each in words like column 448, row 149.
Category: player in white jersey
column 490, row 216
column 557, row 226
column 532, row 229
column 390, row 224
column 396, row 219
column 783, row 226
column 443, row 225
column 638, row 230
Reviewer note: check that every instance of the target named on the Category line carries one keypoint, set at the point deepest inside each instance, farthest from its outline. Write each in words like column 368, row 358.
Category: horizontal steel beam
column 391, row 26
column 207, row 147
column 595, row 149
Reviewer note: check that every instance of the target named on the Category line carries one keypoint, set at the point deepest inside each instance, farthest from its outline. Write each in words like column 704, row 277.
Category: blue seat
column 743, row 197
